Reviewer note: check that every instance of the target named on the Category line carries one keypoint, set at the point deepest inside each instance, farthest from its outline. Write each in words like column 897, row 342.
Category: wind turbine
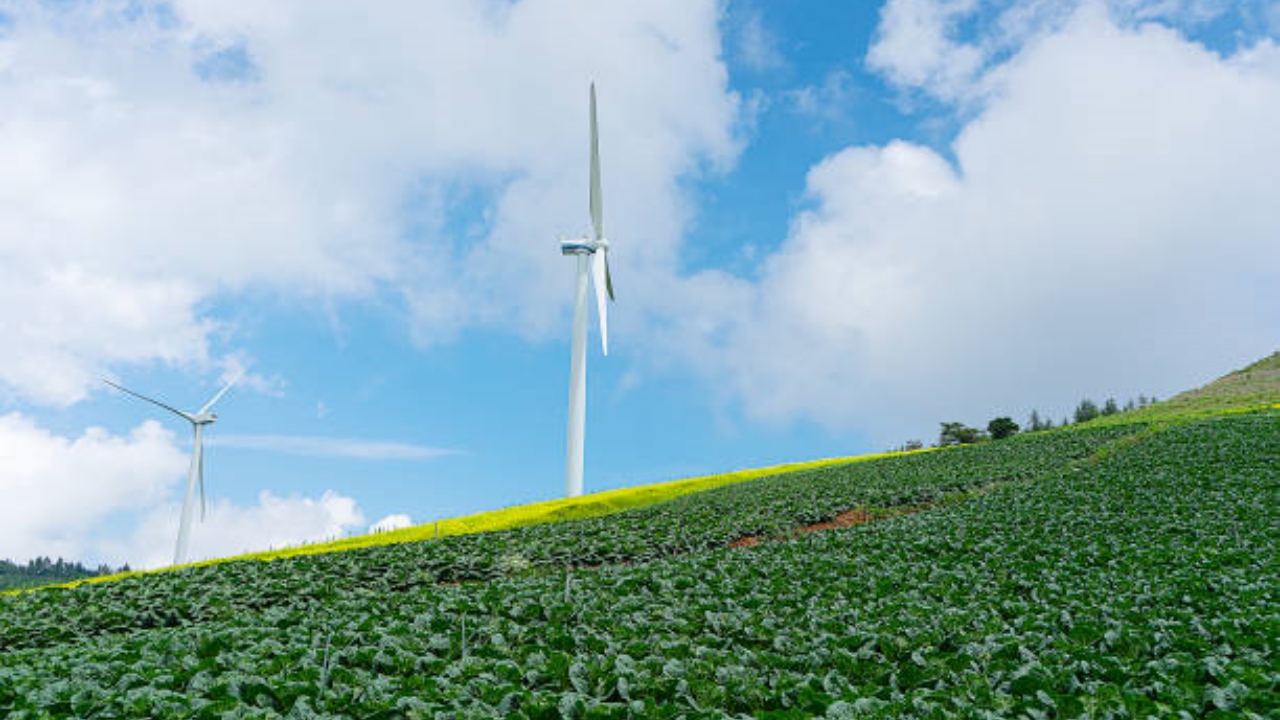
column 199, row 419
column 593, row 258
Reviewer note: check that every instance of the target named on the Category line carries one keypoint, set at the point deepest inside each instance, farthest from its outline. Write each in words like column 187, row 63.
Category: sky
column 833, row 226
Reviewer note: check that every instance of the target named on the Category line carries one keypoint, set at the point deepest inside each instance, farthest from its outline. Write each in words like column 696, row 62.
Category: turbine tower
column 593, row 259
column 199, row 419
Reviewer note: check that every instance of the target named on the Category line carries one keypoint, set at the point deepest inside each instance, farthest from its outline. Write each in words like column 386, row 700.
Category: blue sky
column 832, row 229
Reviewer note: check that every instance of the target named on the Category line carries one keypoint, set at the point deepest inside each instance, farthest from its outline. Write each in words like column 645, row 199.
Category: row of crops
column 1141, row 583
column 702, row 521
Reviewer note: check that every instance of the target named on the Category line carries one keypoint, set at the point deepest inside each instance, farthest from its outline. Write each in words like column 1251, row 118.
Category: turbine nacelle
column 584, row 246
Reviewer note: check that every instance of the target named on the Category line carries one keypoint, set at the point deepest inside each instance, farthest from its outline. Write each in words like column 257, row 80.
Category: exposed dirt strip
column 849, row 518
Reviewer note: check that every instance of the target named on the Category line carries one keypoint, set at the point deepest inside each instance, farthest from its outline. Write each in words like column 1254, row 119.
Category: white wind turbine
column 593, row 258
column 199, row 419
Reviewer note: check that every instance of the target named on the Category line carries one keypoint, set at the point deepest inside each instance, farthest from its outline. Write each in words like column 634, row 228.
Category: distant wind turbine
column 593, row 259
column 199, row 419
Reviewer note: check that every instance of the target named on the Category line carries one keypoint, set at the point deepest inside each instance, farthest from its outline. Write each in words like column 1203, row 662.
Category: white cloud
column 131, row 172
column 915, row 46
column 1108, row 229
column 391, row 522
column 943, row 48
column 60, row 491
column 76, row 498
column 62, row 326
column 274, row 522
column 335, row 447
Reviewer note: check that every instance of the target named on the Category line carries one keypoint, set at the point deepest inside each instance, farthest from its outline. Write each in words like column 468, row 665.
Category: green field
column 594, row 505
column 1118, row 569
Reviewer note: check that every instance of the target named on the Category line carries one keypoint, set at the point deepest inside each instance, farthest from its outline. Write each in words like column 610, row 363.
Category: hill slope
column 1257, row 385
column 1121, row 570
column 594, row 505
column 1254, row 386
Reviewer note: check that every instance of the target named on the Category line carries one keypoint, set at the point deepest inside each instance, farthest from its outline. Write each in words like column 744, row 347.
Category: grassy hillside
column 1257, row 384
column 1099, row 571
column 1252, row 387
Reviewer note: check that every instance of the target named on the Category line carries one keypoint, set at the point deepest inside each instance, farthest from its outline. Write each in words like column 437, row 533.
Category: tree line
column 45, row 571
column 999, row 428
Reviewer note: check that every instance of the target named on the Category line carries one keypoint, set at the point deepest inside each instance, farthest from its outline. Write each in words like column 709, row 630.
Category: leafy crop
column 550, row 511
column 1100, row 574
column 701, row 521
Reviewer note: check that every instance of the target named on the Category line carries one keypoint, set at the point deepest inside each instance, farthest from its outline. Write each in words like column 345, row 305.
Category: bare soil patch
column 856, row 516
column 848, row 518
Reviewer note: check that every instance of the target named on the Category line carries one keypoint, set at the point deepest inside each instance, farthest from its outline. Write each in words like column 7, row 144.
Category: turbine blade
column 223, row 391
column 153, row 401
column 597, row 199
column 600, row 274
column 201, row 474
column 608, row 279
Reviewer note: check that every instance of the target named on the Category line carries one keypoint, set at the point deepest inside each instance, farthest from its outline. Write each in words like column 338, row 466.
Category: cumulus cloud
column 163, row 155
column 1107, row 228
column 391, row 522
column 72, row 497
column 62, row 326
column 59, row 491
column 273, row 522
column 916, row 46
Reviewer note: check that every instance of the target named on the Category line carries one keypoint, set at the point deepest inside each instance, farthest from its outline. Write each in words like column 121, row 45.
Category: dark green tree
column 43, row 571
column 1110, row 407
column 1086, row 411
column 1002, row 427
column 955, row 433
